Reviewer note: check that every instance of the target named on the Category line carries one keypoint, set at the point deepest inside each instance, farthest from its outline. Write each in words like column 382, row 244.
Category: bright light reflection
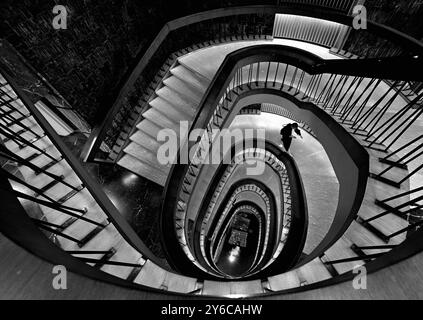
column 233, row 255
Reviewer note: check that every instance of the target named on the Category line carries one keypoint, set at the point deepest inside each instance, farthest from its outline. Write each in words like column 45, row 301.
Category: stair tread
column 135, row 165
column 314, row 271
column 82, row 199
column 171, row 111
column 284, row 281
column 124, row 253
column 161, row 120
column 102, row 241
column 342, row 250
column 183, row 88
column 58, row 168
column 145, row 156
column 145, row 140
column 149, row 128
column 178, row 101
column 361, row 236
column 151, row 275
column 386, row 224
column 193, row 70
column 183, row 73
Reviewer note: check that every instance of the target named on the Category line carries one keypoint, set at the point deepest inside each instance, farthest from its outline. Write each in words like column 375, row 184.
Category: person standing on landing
column 287, row 134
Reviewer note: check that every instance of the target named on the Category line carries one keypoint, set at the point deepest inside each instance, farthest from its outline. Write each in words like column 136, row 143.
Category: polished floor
column 137, row 199
column 320, row 183
column 310, row 160
column 25, row 276
column 236, row 262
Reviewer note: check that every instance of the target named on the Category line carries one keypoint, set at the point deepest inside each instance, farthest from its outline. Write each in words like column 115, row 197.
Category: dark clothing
column 286, row 143
column 286, row 133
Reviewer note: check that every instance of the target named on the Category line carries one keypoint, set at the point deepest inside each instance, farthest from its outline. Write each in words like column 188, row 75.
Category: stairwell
column 176, row 99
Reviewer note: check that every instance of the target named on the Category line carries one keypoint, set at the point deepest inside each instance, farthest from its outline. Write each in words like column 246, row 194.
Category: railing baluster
column 349, row 109
column 380, row 115
column 392, row 120
column 276, row 73
column 367, row 114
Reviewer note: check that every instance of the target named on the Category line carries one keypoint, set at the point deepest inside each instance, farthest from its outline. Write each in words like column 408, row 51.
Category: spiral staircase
column 227, row 233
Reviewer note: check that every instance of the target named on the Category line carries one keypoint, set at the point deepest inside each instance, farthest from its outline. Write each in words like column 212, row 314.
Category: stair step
column 330, row 268
column 146, row 156
column 342, row 250
column 161, row 120
column 183, row 88
column 9, row 112
column 48, row 186
column 314, row 271
column 143, row 169
column 6, row 100
column 145, row 140
column 284, row 281
column 384, row 226
column 32, row 156
column 19, row 133
column 29, row 124
column 193, row 70
column 374, row 230
column 149, row 128
column 69, row 195
column 90, row 236
column 177, row 100
column 105, row 258
column 127, row 254
column 169, row 110
column 33, row 140
column 47, row 166
column 361, row 236
column 68, row 223
column 58, row 168
column 151, row 275
column 44, row 144
column 134, row 274
column 13, row 121
column 187, row 75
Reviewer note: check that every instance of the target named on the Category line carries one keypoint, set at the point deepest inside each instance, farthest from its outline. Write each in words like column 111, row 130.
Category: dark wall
column 403, row 15
column 87, row 62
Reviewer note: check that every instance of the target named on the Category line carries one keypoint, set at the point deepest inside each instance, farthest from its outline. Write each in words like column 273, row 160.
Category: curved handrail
column 391, row 60
column 233, row 62
column 295, row 212
column 19, row 227
column 256, row 187
column 95, row 189
column 236, row 60
column 239, row 207
column 331, row 282
column 310, row 10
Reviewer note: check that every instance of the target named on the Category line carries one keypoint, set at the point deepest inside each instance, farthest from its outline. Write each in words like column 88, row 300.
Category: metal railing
column 366, row 104
column 230, row 24
column 349, row 96
column 29, row 149
column 343, row 6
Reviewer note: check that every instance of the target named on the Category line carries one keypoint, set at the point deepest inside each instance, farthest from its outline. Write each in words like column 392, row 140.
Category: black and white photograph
column 211, row 156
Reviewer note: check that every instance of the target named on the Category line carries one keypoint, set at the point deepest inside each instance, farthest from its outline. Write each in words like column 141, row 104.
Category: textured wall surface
column 87, row 62
column 403, row 15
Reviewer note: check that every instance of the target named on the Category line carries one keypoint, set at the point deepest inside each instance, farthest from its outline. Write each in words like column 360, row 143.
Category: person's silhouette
column 287, row 134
